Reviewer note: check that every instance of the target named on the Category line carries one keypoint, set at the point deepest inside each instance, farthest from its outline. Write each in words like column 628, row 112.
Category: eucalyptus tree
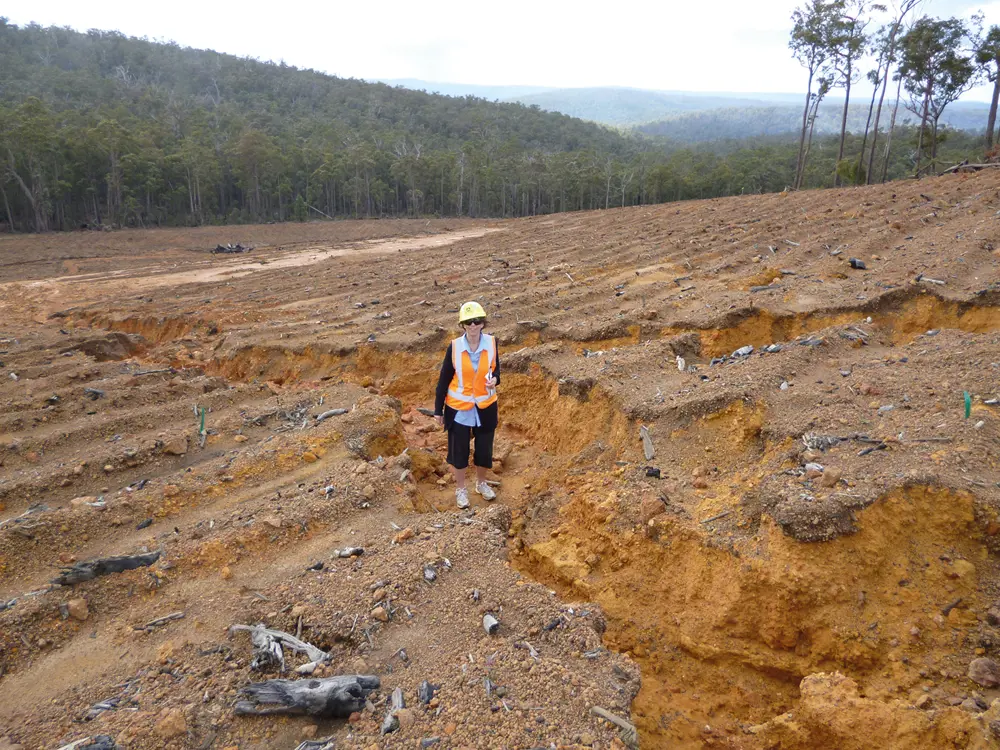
column 988, row 58
column 815, row 26
column 847, row 44
column 935, row 71
column 885, row 49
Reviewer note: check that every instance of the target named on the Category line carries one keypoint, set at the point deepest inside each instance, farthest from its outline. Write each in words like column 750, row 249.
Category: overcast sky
column 714, row 45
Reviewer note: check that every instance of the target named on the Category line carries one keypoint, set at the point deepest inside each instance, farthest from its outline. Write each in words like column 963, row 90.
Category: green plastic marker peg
column 968, row 404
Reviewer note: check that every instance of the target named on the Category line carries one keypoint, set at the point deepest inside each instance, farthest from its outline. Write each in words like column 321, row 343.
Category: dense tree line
column 102, row 129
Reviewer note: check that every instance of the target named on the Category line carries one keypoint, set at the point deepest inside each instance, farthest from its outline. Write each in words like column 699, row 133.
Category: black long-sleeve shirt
column 488, row 417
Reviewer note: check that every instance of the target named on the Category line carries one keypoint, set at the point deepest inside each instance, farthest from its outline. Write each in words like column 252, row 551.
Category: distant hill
column 493, row 93
column 752, row 122
column 691, row 116
column 624, row 106
column 105, row 129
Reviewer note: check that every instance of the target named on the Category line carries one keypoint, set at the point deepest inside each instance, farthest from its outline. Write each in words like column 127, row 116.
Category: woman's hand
column 439, row 419
column 491, row 381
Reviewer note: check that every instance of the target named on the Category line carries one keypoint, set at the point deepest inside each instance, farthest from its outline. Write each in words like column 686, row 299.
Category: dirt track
column 813, row 566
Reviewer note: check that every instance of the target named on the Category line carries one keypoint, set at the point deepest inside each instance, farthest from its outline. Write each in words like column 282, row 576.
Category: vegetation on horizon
column 101, row 129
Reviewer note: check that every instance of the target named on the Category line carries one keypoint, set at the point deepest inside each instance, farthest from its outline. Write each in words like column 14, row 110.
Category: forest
column 99, row 129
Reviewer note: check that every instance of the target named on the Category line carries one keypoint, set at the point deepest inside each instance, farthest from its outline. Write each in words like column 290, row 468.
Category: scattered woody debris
column 328, row 698
column 90, row 569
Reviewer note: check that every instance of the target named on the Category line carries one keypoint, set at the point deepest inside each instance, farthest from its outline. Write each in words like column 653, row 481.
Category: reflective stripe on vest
column 468, row 386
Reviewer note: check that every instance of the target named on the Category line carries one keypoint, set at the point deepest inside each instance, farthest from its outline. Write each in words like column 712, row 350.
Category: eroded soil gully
column 724, row 631
column 906, row 313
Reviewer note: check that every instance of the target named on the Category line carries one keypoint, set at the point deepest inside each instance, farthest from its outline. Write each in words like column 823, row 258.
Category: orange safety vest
column 468, row 386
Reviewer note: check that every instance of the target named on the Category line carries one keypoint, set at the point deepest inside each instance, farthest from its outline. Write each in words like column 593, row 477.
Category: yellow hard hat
column 471, row 311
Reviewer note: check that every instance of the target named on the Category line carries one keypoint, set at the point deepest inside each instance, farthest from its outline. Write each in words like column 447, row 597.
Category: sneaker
column 462, row 498
column 486, row 491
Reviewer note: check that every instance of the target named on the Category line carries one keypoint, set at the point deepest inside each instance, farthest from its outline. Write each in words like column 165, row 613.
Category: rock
column 170, row 724
column 309, row 731
column 380, row 614
column 858, row 264
column 450, row 728
column 78, row 609
column 226, row 573
column 177, row 446
column 700, row 484
column 650, row 508
column 171, row 490
column 240, row 438
column 272, row 521
column 354, row 718
column 76, row 502
column 406, row 718
column 403, row 535
column 425, row 742
column 971, row 706
column 368, row 492
column 985, row 672
column 993, row 616
column 923, row 702
column 831, row 476
column 309, row 457
column 587, row 739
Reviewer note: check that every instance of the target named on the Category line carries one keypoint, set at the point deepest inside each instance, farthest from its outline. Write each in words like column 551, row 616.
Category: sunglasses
column 475, row 322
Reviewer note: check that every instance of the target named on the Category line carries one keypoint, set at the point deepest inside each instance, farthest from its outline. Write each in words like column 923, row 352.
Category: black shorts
column 459, row 436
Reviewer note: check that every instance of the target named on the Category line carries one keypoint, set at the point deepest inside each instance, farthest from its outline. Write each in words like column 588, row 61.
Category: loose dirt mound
column 806, row 557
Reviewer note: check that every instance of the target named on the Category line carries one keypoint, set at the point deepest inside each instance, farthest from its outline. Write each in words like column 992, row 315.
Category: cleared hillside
column 805, row 555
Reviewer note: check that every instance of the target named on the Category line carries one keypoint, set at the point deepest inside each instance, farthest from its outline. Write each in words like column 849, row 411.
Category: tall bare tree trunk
column 843, row 125
column 10, row 216
column 991, row 121
column 878, row 116
column 923, row 125
column 888, row 138
column 802, row 135
column 868, row 122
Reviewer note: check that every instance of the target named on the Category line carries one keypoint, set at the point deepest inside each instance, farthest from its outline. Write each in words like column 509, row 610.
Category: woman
column 466, row 400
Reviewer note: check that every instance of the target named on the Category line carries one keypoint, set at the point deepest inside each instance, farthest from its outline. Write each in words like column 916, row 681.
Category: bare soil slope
column 803, row 554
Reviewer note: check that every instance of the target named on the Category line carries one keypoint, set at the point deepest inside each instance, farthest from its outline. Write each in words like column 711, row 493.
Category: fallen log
column 328, row 698
column 160, row 621
column 90, row 569
column 331, row 413
column 968, row 167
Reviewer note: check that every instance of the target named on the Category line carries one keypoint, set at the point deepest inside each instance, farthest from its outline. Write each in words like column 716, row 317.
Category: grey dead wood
column 629, row 734
column 328, row 698
column 326, row 743
column 268, row 646
column 90, row 569
column 647, row 443
column 161, row 621
column 98, row 742
column 331, row 413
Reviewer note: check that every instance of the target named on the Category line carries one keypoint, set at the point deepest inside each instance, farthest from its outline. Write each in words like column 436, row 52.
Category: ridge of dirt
column 808, row 559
